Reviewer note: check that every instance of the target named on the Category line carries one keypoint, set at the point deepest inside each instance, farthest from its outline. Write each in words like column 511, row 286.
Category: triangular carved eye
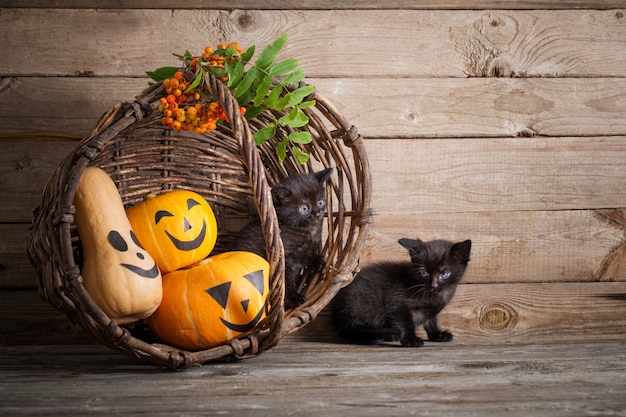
column 220, row 293
column 245, row 304
column 256, row 278
column 191, row 203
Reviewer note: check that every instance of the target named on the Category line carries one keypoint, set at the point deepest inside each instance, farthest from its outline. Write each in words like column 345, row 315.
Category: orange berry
column 178, row 75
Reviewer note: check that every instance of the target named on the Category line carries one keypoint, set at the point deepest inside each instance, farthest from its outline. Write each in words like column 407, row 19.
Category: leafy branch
column 258, row 86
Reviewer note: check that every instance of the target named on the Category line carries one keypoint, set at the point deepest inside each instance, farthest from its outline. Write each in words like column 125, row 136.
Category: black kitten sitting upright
column 389, row 301
column 300, row 203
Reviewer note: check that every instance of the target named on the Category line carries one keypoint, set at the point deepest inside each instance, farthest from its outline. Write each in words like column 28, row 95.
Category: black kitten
column 389, row 301
column 300, row 203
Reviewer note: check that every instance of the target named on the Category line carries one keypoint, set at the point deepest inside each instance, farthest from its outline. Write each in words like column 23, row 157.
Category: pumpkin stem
column 149, row 196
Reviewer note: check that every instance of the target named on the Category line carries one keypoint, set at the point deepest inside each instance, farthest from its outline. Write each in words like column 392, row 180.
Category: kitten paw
column 444, row 336
column 412, row 342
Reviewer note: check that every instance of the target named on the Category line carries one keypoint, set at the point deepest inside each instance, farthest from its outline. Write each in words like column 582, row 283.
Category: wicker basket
column 234, row 175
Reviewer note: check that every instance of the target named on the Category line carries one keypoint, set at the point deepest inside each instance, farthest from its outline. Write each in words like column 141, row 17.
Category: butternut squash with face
column 118, row 273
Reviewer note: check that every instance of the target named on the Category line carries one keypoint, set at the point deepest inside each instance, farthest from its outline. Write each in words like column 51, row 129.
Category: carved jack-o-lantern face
column 178, row 228
column 212, row 302
column 144, row 267
column 238, row 300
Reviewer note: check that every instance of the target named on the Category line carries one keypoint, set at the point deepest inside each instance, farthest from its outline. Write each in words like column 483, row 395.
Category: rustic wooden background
column 499, row 121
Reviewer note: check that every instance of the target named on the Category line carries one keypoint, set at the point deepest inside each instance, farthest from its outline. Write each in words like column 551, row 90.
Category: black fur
column 389, row 301
column 300, row 203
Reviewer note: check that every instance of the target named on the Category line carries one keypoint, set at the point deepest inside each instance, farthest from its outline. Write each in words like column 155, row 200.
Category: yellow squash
column 118, row 273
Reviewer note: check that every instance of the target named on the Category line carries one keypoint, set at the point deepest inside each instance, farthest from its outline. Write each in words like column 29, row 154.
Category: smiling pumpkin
column 178, row 228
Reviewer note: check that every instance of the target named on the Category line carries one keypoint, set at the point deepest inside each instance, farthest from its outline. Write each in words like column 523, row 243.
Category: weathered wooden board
column 516, row 246
column 415, row 175
column 520, row 313
column 328, row 43
column 313, row 379
column 411, row 107
column 464, row 175
column 319, row 5
column 512, row 247
column 25, row 168
column 479, row 313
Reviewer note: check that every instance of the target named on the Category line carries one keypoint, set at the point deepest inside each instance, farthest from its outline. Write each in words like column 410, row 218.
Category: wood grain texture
column 500, row 174
column 512, row 247
column 313, row 379
column 478, row 314
column 318, row 5
column 328, row 43
column 380, row 108
column 25, row 168
column 417, row 175
column 521, row 313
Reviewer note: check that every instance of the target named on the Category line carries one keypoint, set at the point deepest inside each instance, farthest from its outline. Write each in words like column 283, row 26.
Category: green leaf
column 268, row 55
column 281, row 150
column 262, row 89
column 235, row 73
column 300, row 137
column 302, row 157
column 162, row 73
column 246, row 98
column 230, row 52
column 274, row 96
column 252, row 112
column 295, row 118
column 306, row 104
column 294, row 97
column 265, row 133
column 247, row 81
column 294, row 77
column 283, row 67
column 247, row 56
column 196, row 82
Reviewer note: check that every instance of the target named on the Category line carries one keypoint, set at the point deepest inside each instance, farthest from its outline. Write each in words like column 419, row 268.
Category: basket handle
column 262, row 198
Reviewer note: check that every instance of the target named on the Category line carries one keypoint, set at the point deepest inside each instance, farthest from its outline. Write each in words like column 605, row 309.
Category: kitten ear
column 415, row 246
column 461, row 251
column 323, row 176
column 279, row 193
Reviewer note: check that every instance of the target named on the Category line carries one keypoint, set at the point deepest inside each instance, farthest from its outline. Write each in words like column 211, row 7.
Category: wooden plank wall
column 499, row 121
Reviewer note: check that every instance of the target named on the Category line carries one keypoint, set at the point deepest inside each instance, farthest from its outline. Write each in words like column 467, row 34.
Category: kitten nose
column 434, row 283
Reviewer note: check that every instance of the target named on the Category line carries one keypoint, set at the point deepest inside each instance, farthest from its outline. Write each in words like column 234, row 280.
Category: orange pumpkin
column 178, row 228
column 212, row 302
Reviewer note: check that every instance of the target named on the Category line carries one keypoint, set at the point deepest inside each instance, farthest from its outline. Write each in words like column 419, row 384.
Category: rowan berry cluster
column 185, row 108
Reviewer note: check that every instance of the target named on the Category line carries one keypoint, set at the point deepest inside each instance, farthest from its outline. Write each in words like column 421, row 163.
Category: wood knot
column 497, row 317
column 619, row 15
column 245, row 21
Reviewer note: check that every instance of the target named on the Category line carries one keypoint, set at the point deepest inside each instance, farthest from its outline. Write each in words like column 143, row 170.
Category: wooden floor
column 324, row 379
